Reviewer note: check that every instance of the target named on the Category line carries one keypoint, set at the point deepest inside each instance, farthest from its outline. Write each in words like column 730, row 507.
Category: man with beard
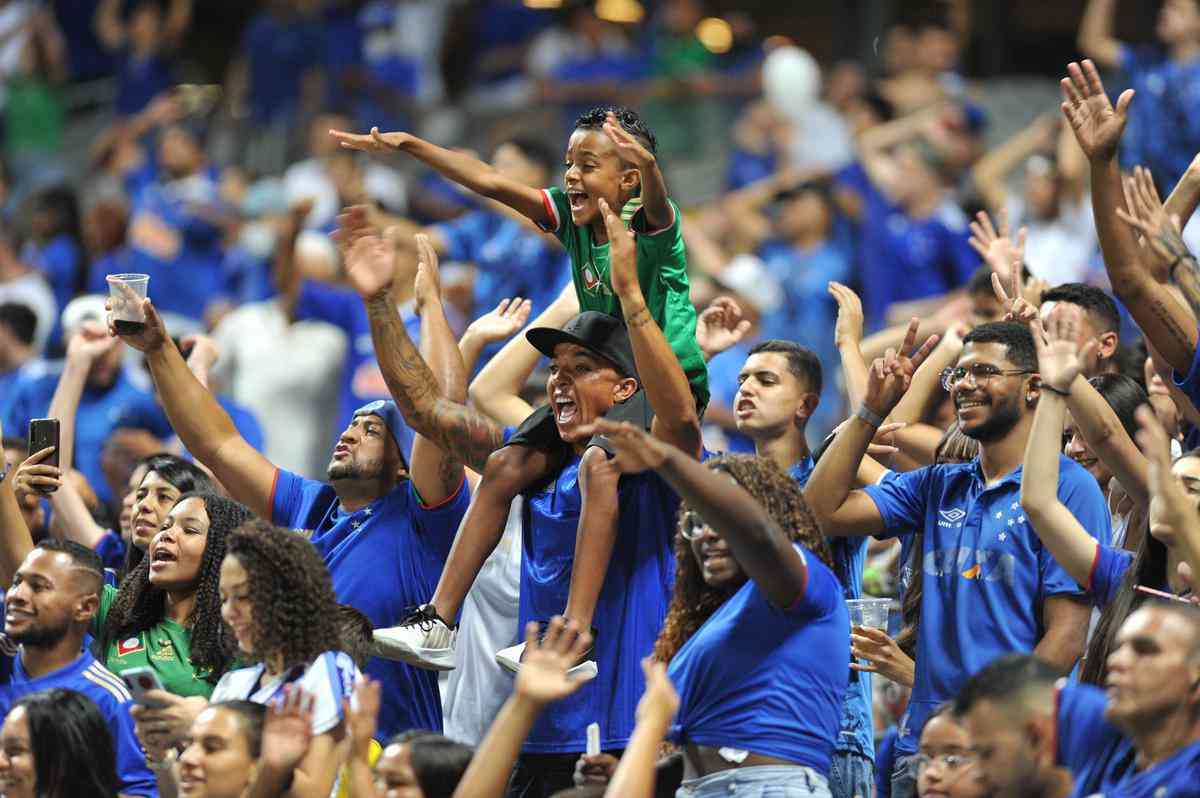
column 383, row 536
column 54, row 595
column 990, row 586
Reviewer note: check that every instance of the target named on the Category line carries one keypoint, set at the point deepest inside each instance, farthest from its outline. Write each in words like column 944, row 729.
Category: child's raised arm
column 464, row 169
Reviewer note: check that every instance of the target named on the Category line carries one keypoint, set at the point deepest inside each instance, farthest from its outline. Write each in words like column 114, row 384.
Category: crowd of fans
column 614, row 464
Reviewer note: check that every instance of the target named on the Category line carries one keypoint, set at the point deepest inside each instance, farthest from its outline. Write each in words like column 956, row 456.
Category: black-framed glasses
column 951, row 763
column 978, row 372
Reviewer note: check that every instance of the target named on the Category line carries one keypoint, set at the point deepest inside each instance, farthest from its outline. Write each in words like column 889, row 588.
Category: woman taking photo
column 56, row 744
column 754, row 599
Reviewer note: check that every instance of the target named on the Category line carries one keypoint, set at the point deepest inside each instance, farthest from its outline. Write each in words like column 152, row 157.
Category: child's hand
column 622, row 254
column 629, row 148
column 369, row 142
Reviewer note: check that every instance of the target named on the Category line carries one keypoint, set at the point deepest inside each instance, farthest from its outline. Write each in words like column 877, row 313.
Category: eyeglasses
column 952, row 763
column 692, row 526
column 978, row 372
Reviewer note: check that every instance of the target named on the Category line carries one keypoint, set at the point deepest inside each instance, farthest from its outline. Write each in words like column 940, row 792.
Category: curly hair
column 627, row 118
column 293, row 611
column 693, row 600
column 139, row 605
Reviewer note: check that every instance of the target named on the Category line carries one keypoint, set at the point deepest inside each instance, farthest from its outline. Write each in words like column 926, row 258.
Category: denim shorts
column 760, row 781
column 851, row 775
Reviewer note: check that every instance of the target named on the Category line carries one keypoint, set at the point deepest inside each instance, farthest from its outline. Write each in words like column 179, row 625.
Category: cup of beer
column 126, row 293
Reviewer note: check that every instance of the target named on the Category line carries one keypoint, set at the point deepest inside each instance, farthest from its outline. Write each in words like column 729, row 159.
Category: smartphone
column 141, row 681
column 43, row 432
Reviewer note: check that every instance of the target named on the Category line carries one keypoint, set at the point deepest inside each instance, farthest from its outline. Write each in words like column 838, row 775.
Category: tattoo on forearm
column 1187, row 277
column 1167, row 322
column 452, row 427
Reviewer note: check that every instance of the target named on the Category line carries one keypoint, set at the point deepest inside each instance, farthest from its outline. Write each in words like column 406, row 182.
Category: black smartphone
column 43, row 432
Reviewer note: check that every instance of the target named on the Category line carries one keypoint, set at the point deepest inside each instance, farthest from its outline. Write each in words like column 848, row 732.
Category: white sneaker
column 510, row 659
column 422, row 639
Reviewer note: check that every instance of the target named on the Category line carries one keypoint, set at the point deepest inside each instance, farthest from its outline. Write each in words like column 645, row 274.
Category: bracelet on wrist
column 1052, row 389
column 870, row 416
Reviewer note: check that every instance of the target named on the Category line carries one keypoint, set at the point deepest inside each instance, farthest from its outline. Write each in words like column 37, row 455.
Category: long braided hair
column 140, row 605
column 693, row 600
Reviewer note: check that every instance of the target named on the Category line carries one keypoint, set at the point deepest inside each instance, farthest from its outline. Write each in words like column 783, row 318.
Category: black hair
column 980, row 281
column 73, row 751
column 82, row 557
column 1014, row 337
column 1003, row 678
column 628, row 119
column 802, row 362
column 355, row 630
column 1124, row 395
column 879, row 105
column 1098, row 305
column 534, row 150
column 250, row 718
column 186, row 477
column 21, row 320
column 62, row 206
column 437, row 761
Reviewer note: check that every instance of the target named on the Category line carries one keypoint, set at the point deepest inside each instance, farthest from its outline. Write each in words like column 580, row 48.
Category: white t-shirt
column 1059, row 250
column 328, row 679
column 475, row 690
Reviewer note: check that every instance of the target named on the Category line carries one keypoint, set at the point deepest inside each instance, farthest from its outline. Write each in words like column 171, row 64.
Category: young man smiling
column 990, row 586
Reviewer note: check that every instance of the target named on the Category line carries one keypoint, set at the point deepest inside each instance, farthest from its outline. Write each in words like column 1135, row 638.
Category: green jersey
column 165, row 648
column 662, row 274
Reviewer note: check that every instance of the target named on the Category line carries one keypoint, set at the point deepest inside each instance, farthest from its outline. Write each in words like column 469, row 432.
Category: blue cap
column 402, row 434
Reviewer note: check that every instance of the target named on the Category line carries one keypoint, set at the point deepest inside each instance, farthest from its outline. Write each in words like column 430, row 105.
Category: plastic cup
column 126, row 293
column 871, row 612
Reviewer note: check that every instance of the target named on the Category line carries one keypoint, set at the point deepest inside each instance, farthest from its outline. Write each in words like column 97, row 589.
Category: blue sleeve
column 132, row 772
column 1081, row 495
column 901, row 500
column 291, row 499
column 822, row 591
column 1108, row 571
column 438, row 524
column 463, row 236
column 111, row 549
column 337, row 306
column 1190, row 383
column 1082, row 729
column 885, row 760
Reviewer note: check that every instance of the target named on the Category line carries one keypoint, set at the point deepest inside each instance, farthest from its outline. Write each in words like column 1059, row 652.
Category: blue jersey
column 857, row 734
column 106, row 690
column 140, row 80
column 629, row 613
column 362, row 381
column 885, row 763
column 99, row 411
column 1164, row 124
column 384, row 559
column 986, row 573
column 1108, row 571
column 1190, row 383
column 723, row 371
column 111, row 548
column 278, row 54
column 59, row 261
column 902, row 258
column 1104, row 761
column 748, row 677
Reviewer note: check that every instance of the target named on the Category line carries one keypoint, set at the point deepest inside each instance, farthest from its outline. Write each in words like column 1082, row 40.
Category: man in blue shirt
column 990, row 586
column 779, row 387
column 383, row 535
column 54, row 595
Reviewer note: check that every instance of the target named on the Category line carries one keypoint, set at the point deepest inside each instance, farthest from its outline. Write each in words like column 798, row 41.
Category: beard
column 41, row 636
column 1004, row 417
column 352, row 470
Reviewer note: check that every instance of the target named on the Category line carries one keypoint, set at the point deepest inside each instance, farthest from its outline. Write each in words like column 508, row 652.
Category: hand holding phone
column 43, row 434
column 141, row 681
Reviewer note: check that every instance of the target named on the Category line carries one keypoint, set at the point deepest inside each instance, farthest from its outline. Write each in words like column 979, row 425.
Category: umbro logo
column 953, row 515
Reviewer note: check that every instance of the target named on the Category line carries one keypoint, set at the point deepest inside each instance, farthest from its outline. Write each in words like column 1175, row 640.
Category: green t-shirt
column 166, row 648
column 662, row 274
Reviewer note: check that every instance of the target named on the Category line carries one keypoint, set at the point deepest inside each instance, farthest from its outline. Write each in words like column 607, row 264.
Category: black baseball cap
column 596, row 332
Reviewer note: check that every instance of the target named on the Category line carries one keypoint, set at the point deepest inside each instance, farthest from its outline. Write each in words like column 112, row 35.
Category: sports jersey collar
column 84, row 661
column 367, row 512
column 975, row 468
column 801, row 470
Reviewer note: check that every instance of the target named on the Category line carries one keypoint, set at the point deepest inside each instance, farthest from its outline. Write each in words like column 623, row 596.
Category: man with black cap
column 595, row 363
column 383, row 536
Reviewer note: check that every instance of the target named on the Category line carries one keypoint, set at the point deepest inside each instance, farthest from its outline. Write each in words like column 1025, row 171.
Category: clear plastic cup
column 871, row 612
column 126, row 293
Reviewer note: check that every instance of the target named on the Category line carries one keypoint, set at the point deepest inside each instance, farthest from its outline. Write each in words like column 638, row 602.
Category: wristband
column 870, row 416
column 1052, row 389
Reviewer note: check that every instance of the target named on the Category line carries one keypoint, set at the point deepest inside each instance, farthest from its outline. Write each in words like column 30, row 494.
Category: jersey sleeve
column 822, row 590
column 1082, row 729
column 559, row 209
column 1188, row 383
column 439, row 524
column 132, row 771
column 1078, row 491
column 320, row 302
column 111, row 549
column 1108, row 571
column 291, row 498
column 901, row 501
column 329, row 680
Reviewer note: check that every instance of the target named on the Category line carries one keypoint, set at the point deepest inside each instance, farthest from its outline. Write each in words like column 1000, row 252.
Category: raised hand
column 635, row 449
column 369, row 142
column 890, row 375
column 502, row 323
column 287, row 730
column 868, row 643
column 622, row 253
column 90, row 342
column 1097, row 124
column 152, row 336
column 362, row 715
column 720, row 326
column 997, row 248
column 543, row 676
column 849, row 328
column 1060, row 358
column 628, row 147
column 353, row 223
column 1146, row 215
column 660, row 702
column 371, row 266
column 883, row 443
column 36, row 477
column 1016, row 307
column 427, row 287
column 1172, row 510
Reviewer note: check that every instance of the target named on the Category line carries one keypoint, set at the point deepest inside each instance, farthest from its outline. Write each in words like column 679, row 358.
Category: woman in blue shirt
column 757, row 636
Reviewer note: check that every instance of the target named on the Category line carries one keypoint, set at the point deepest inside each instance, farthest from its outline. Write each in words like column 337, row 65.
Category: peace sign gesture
column 890, row 375
column 1016, row 306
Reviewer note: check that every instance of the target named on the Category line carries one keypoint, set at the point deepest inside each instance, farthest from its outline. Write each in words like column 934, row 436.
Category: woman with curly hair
column 277, row 598
column 757, row 635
